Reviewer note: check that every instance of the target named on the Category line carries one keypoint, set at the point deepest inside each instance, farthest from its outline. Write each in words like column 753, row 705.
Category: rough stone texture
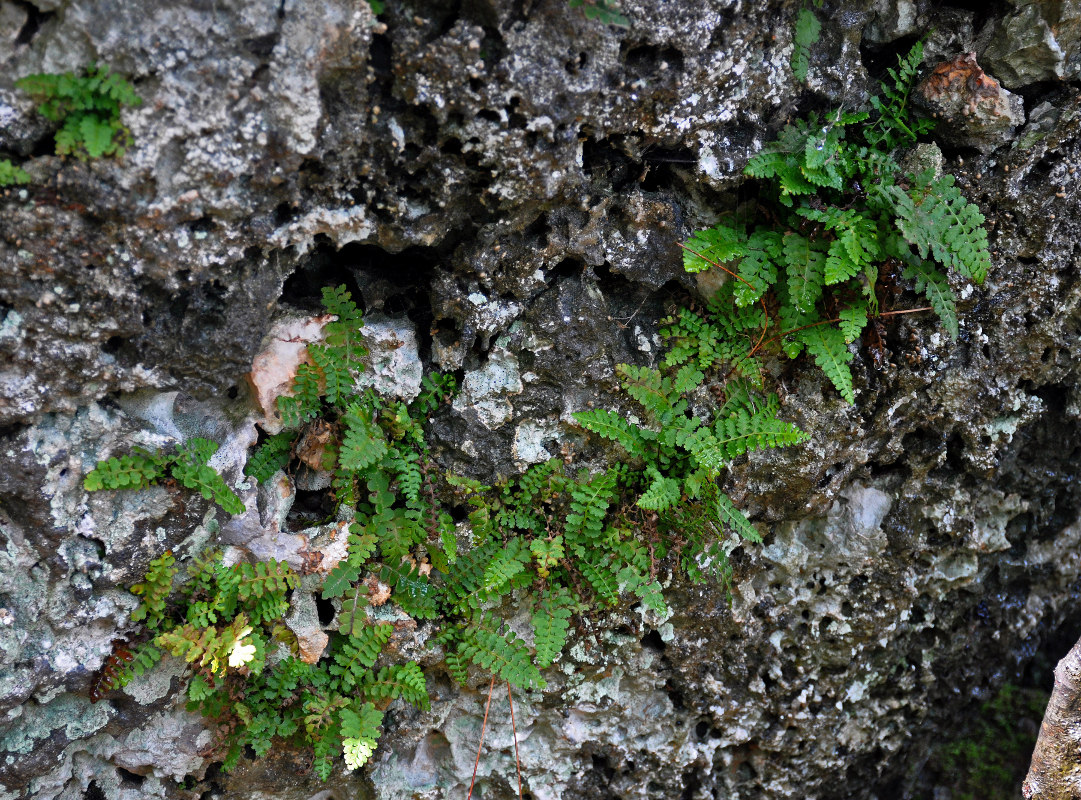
column 1038, row 41
column 514, row 179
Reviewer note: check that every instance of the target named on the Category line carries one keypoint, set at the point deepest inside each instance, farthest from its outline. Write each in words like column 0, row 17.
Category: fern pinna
column 187, row 465
column 846, row 216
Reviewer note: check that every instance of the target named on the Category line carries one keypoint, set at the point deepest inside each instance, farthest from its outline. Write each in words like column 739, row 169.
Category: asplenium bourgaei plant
column 552, row 541
column 87, row 106
column 843, row 211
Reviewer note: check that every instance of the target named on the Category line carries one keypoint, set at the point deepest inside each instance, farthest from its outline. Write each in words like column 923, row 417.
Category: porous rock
column 514, row 179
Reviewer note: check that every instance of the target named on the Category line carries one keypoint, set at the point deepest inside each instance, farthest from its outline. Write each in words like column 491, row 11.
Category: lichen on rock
column 504, row 186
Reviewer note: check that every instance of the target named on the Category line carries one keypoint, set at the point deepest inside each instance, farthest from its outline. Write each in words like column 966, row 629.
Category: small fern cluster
column 226, row 623
column 188, row 466
column 845, row 214
column 87, row 106
column 552, row 542
column 219, row 619
column 10, row 174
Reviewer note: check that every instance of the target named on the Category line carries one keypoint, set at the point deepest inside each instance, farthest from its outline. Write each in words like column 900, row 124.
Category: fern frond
column 856, row 245
column 135, row 471
column 416, row 595
column 190, row 469
column 338, row 382
column 757, row 266
column 651, row 389
column 737, row 396
column 304, row 403
column 662, row 494
column 363, row 443
column 719, row 244
column 590, row 500
column 463, row 585
column 940, row 222
column 344, row 344
column 272, row 455
column 356, row 654
column 154, row 590
column 853, row 318
column 598, row 572
column 775, row 162
column 808, row 29
column 359, row 733
column 827, row 344
column 551, row 623
column 743, row 431
column 352, row 619
column 505, row 566
column 729, row 514
column 398, row 680
column 612, row 426
column 340, row 579
column 804, row 265
column 406, row 464
column 935, row 286
column 501, row 654
column 144, row 657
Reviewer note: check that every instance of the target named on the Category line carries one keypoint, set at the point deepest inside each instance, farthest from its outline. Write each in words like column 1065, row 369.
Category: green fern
column 939, row 221
column 606, row 11
column 894, row 127
column 144, row 657
column 663, row 492
column 87, row 106
column 551, row 623
column 413, row 591
column 356, row 654
column 360, row 733
column 352, row 619
column 808, row 30
column 398, row 680
column 190, row 469
column 935, row 286
column 12, row 175
column 155, row 590
column 612, row 426
column 511, row 560
column 364, row 443
column 827, row 344
column 305, row 402
column 502, row 654
column 272, row 455
column 135, row 471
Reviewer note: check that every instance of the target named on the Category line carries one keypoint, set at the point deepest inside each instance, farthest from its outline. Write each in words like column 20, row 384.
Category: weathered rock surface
column 507, row 184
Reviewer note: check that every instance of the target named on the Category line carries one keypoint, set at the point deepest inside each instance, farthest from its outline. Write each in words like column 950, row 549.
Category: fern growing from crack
column 846, row 215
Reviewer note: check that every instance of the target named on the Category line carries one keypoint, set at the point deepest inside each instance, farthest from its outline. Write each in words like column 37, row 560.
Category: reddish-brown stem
column 514, row 730
column 480, row 744
column 837, row 319
column 905, row 311
column 765, row 310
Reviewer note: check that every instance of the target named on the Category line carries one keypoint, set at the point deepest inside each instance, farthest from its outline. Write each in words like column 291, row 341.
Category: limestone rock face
column 505, row 186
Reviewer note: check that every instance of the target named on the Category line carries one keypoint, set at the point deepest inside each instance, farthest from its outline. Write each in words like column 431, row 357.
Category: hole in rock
column 325, row 609
column 310, row 508
column 129, row 778
column 648, row 60
column 653, row 641
column 35, row 18
column 877, row 58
